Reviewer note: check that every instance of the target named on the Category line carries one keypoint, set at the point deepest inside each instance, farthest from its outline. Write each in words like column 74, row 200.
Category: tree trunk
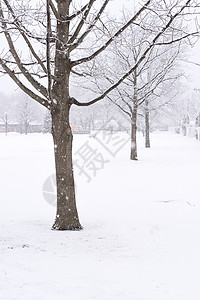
column 134, row 134
column 6, row 124
column 67, row 215
column 26, row 127
column 147, row 125
column 134, row 121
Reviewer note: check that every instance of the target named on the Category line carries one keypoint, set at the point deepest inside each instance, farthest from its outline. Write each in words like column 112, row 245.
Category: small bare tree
column 6, row 111
column 149, row 80
column 26, row 111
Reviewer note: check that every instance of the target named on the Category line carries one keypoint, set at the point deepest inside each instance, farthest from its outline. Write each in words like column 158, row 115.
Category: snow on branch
column 81, row 23
column 16, row 57
column 154, row 42
column 82, row 37
column 86, row 59
column 39, row 99
column 21, row 30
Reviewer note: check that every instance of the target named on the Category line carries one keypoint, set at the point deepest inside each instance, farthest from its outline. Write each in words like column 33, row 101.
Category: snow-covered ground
column 141, row 237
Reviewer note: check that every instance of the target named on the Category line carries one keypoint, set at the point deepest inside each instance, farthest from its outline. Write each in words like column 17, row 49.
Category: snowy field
column 141, row 237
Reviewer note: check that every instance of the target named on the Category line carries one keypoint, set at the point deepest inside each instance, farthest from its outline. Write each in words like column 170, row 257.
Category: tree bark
column 134, row 134
column 134, row 120
column 147, row 125
column 67, row 215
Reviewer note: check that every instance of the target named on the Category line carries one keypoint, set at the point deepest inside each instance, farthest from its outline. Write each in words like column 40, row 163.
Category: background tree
column 26, row 111
column 6, row 111
column 149, row 80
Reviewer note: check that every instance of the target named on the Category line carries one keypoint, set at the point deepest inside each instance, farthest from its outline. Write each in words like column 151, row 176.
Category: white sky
column 7, row 86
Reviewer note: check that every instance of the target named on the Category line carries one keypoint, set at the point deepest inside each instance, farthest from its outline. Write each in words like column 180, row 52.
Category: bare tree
column 26, row 111
column 6, row 121
column 147, row 82
column 166, row 89
column 6, row 111
column 68, row 35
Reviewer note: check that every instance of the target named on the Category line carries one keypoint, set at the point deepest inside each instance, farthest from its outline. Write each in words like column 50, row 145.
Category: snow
column 141, row 223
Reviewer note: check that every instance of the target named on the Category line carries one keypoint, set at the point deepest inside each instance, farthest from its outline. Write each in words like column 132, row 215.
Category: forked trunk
column 147, row 125
column 67, row 215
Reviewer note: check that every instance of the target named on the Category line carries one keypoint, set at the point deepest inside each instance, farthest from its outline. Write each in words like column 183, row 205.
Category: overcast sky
column 191, row 70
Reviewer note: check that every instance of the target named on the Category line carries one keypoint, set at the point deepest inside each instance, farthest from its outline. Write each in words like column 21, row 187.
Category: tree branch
column 119, row 106
column 177, row 40
column 74, row 15
column 86, row 59
column 54, row 10
column 12, row 75
column 25, row 37
column 153, row 43
column 25, row 72
column 82, row 37
column 48, row 55
column 81, row 23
